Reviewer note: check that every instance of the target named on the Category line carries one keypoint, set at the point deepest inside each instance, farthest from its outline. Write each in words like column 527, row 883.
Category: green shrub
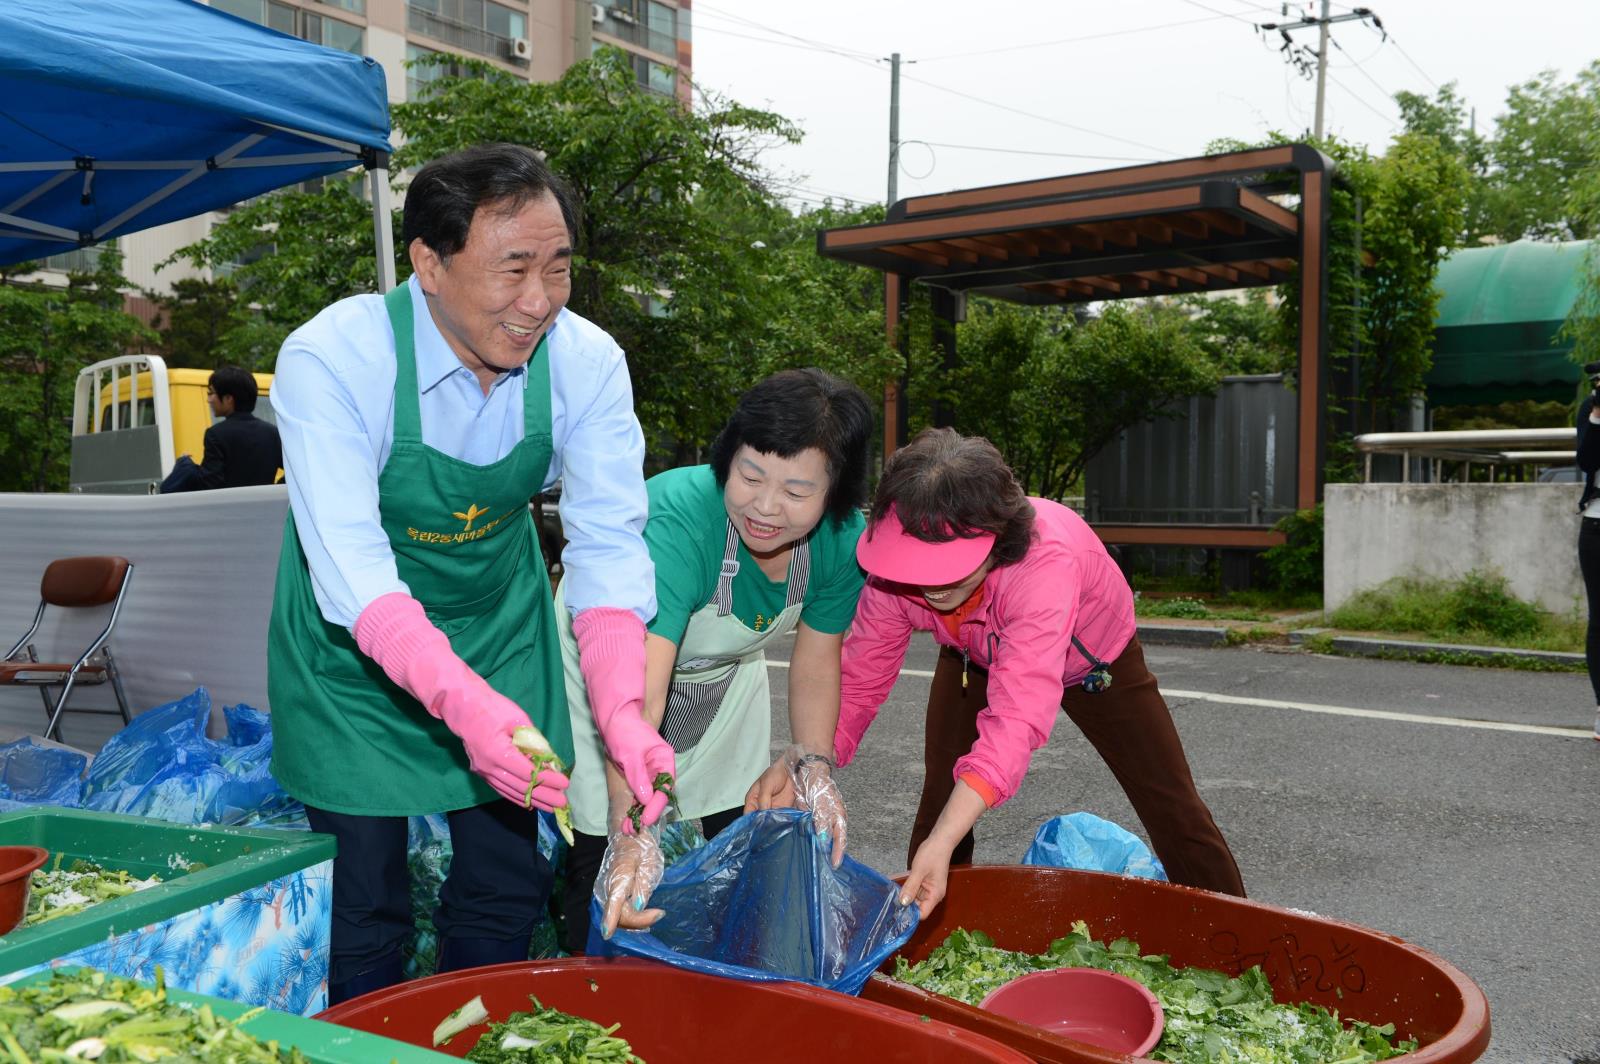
column 1479, row 607
column 1173, row 607
column 1295, row 566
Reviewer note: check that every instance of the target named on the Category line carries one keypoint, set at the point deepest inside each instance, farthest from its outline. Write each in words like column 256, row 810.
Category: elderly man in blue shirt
column 412, row 627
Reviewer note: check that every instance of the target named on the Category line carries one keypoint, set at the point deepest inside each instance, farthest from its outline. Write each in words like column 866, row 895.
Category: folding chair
column 73, row 583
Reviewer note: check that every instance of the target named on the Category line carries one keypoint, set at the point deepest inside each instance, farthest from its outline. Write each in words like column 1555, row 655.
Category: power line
column 1037, row 117
column 1362, row 100
column 823, row 45
column 1221, row 14
column 1073, row 40
column 783, row 44
column 859, row 57
column 1048, row 154
column 1413, row 63
column 1362, row 70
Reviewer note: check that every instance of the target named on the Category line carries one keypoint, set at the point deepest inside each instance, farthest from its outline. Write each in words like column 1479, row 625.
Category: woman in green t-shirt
column 747, row 550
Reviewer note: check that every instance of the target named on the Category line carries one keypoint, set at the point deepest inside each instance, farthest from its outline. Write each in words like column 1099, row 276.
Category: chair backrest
column 88, row 581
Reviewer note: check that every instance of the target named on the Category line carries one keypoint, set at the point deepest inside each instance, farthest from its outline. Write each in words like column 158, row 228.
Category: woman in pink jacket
column 1030, row 614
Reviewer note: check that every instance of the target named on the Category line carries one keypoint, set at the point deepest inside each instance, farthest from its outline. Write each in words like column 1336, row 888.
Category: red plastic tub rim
column 17, row 863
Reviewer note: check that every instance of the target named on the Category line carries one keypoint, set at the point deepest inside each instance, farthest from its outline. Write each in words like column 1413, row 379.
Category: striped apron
column 719, row 707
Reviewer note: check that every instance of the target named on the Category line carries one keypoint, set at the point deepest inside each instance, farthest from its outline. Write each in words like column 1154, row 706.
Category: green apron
column 346, row 738
column 719, row 707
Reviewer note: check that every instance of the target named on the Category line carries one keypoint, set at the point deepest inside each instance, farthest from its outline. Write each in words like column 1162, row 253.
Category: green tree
column 1050, row 393
column 1414, row 213
column 199, row 319
column 289, row 254
column 1243, row 335
column 47, row 334
column 1543, row 147
column 1446, row 118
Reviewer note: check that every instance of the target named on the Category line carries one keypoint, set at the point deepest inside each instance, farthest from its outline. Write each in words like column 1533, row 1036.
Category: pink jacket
column 1021, row 632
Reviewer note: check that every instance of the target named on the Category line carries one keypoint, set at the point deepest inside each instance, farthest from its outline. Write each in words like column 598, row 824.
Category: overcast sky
column 1103, row 84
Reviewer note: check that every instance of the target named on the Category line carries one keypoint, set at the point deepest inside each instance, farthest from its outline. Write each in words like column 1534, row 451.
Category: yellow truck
column 132, row 418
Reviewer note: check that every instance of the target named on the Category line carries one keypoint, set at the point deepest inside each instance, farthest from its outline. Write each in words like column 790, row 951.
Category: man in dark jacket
column 241, row 449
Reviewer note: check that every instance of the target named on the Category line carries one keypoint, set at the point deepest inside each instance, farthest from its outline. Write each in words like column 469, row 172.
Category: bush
column 1478, row 606
column 1296, row 566
column 1174, row 607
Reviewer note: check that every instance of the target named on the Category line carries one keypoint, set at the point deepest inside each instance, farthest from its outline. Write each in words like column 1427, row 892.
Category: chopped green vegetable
column 531, row 741
column 66, row 892
column 663, row 783
column 87, row 1015
column 1210, row 1016
column 469, row 1015
column 549, row 1036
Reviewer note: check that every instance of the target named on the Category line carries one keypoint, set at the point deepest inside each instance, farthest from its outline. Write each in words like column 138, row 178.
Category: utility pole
column 1322, row 67
column 1297, row 54
column 894, row 126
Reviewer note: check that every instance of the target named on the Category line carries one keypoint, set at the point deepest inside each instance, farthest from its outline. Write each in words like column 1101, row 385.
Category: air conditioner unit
column 521, row 48
column 599, row 12
column 623, row 16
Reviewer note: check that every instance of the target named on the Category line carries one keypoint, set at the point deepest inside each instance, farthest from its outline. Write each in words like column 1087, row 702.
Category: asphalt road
column 1423, row 819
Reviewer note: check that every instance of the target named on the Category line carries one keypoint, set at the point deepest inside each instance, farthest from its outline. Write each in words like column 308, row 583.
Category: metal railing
column 1491, row 447
column 458, row 34
column 623, row 24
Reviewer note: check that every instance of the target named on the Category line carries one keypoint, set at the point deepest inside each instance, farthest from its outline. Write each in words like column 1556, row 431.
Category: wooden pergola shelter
column 1190, row 225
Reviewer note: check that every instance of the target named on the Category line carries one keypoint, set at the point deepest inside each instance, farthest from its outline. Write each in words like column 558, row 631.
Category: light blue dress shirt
column 333, row 394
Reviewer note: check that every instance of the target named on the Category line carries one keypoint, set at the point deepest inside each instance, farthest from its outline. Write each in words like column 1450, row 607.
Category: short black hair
column 239, row 383
column 446, row 193
column 799, row 408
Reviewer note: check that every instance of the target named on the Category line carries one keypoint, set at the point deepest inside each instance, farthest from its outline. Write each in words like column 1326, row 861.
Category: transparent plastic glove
column 629, row 874
column 395, row 632
column 816, row 792
column 611, row 659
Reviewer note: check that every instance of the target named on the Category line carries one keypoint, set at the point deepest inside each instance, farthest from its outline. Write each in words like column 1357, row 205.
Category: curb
column 1182, row 635
column 1362, row 646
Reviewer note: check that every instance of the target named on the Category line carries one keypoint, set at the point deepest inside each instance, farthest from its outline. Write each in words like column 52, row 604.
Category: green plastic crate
column 322, row 1043
column 233, row 859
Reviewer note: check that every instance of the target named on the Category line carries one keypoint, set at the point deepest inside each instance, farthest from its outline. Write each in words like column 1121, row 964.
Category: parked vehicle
column 132, row 418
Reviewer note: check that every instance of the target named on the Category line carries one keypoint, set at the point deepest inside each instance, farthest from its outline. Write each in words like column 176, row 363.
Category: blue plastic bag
column 42, row 775
column 163, row 766
column 1084, row 841
column 761, row 902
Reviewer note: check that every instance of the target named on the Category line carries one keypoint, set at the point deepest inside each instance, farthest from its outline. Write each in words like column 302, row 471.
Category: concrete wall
column 1526, row 532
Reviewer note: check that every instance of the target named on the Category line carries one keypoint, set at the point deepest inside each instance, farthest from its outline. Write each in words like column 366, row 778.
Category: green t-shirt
column 686, row 534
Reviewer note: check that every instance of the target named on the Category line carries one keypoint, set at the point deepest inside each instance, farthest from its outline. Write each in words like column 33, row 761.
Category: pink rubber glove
column 611, row 658
column 395, row 632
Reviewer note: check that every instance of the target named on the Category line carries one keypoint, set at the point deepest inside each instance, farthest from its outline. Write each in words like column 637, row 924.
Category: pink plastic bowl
column 1102, row 1008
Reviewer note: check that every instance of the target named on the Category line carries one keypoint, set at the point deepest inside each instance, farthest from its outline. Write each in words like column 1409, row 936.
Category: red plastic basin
column 1361, row 973
column 670, row 1016
column 1102, row 1008
column 17, row 863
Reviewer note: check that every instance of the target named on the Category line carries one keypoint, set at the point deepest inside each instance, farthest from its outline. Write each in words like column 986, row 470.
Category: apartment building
column 535, row 39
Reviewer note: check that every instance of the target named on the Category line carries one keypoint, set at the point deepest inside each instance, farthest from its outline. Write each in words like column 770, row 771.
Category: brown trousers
column 1131, row 728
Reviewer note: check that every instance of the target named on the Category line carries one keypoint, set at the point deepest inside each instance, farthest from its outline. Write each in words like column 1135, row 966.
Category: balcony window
column 420, row 79
column 479, row 26
column 307, row 25
column 655, row 77
column 78, row 260
column 359, row 7
column 645, row 23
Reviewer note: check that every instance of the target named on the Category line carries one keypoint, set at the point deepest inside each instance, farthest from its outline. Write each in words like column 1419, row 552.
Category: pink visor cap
column 886, row 550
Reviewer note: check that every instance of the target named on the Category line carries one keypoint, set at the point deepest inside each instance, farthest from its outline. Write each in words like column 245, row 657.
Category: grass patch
column 1261, row 599
column 1197, row 610
column 1479, row 608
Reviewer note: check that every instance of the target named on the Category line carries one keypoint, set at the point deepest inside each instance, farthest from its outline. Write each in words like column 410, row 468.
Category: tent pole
column 382, row 227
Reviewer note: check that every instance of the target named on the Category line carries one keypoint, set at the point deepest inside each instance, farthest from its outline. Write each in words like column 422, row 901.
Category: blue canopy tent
column 119, row 115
